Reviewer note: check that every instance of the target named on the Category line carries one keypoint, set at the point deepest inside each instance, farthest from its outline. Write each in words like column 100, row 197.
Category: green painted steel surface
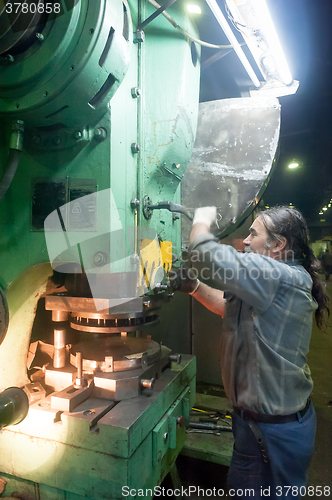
column 80, row 126
column 162, row 121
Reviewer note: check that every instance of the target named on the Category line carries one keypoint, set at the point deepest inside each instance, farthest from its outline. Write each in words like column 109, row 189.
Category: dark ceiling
column 306, row 130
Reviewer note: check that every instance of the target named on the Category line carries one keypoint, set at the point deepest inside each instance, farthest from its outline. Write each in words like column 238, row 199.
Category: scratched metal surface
column 232, row 160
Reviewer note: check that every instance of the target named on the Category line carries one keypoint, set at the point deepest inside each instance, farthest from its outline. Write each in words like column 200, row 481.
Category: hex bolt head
column 135, row 148
column 139, row 36
column 135, row 92
column 77, row 134
column 100, row 134
column 100, row 259
column 40, row 37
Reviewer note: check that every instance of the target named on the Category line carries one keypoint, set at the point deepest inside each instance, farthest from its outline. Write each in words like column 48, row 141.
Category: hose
column 15, row 148
column 185, row 33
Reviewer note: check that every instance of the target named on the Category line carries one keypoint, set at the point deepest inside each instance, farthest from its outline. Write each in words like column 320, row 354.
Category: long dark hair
column 290, row 223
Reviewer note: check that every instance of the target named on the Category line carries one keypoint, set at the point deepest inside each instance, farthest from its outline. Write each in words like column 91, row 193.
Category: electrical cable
column 242, row 28
column 185, row 33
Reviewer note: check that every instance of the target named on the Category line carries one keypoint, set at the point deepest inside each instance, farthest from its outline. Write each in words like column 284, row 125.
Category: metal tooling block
column 102, row 446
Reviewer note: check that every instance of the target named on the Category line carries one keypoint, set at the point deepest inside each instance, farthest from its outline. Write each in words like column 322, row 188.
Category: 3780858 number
column 32, row 8
column 310, row 491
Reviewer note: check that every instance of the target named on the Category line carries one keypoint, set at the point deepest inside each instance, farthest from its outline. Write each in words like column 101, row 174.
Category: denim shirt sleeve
column 252, row 277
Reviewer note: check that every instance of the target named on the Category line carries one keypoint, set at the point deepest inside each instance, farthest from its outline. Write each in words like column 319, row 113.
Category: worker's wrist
column 196, row 287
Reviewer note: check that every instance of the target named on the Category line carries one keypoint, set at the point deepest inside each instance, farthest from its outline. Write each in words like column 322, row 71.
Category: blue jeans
column 290, row 447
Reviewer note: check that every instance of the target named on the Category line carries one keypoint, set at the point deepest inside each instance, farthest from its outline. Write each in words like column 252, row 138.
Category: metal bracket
column 147, row 212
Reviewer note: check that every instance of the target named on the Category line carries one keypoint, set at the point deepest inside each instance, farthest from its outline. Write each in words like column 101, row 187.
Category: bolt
column 36, row 139
column 40, row 37
column 148, row 383
column 99, row 259
column 56, row 140
column 135, row 148
column 176, row 358
column 135, row 92
column 9, row 58
column 77, row 134
column 134, row 203
column 100, row 134
column 139, row 36
column 18, row 125
column 165, row 437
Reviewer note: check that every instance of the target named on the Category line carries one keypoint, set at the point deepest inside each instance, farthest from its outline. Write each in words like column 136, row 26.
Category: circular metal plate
column 112, row 325
column 127, row 353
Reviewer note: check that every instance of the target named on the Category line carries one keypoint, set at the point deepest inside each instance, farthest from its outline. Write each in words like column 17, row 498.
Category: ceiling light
column 271, row 37
column 293, row 165
column 324, row 208
column 194, row 9
column 232, row 39
column 253, row 20
column 329, row 205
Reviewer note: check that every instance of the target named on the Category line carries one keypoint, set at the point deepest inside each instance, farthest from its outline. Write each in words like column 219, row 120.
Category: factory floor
column 207, row 475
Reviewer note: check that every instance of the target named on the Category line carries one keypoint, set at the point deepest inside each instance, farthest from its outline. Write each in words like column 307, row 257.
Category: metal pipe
column 59, row 359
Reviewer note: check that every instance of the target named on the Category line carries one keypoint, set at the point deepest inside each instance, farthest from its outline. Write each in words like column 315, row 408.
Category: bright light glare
column 293, row 165
column 194, row 9
column 270, row 34
column 231, row 37
column 324, row 208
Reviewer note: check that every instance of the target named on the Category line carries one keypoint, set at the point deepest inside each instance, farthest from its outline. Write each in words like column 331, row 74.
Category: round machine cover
column 232, row 160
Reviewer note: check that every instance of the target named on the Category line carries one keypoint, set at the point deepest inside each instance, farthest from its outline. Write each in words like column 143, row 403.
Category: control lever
column 167, row 205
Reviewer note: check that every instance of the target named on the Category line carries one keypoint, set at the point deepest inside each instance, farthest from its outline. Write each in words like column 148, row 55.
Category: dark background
column 304, row 29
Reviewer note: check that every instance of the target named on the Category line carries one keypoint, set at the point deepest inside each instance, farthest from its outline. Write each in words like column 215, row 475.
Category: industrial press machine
column 99, row 110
